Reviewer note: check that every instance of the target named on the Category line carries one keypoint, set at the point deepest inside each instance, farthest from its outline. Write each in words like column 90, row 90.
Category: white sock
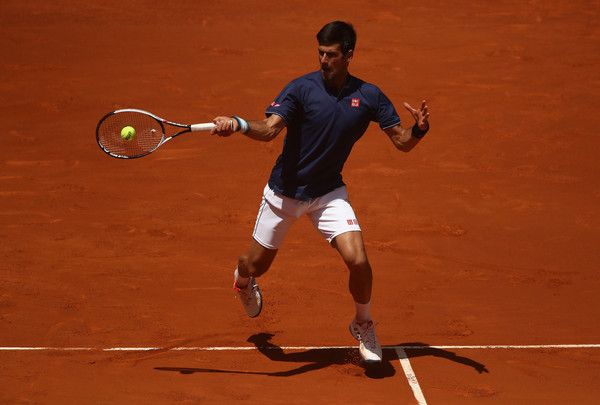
column 240, row 281
column 363, row 312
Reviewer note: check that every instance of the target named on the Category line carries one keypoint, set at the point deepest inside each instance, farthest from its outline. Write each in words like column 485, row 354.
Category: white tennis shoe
column 369, row 347
column 251, row 297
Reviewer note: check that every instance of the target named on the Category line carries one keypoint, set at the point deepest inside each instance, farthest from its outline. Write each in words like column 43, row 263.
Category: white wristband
column 242, row 125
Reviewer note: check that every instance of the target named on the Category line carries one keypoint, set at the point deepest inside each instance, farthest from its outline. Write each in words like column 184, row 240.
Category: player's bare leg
column 255, row 262
column 252, row 264
column 351, row 247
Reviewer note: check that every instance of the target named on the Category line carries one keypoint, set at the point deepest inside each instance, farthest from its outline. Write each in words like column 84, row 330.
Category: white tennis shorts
column 331, row 214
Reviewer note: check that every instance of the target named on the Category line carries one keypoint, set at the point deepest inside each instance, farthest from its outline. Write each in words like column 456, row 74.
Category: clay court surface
column 115, row 275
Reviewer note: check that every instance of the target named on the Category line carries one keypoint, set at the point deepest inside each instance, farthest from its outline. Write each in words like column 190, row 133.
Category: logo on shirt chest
column 355, row 102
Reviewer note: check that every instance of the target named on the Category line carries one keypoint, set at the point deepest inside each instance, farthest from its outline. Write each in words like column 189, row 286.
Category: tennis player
column 324, row 113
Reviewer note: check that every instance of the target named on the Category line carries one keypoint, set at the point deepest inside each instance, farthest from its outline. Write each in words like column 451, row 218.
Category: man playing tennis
column 325, row 113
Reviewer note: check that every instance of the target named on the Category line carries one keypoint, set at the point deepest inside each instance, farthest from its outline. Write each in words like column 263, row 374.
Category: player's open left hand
column 421, row 115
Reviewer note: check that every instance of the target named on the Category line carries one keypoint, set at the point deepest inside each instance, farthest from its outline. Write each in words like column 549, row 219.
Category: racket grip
column 202, row 127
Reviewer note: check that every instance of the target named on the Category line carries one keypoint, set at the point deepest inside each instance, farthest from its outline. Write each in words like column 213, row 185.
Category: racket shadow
column 417, row 349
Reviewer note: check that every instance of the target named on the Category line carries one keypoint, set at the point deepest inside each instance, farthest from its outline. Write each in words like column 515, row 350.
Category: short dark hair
column 338, row 32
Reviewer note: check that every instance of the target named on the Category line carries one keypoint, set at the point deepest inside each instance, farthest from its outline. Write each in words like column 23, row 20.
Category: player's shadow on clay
column 317, row 359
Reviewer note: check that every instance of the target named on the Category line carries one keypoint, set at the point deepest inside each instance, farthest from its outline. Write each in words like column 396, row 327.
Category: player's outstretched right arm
column 265, row 130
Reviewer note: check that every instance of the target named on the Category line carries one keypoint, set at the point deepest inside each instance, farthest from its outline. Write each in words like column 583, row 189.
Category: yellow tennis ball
column 127, row 133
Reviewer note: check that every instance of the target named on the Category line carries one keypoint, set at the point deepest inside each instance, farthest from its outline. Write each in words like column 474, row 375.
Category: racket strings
column 149, row 133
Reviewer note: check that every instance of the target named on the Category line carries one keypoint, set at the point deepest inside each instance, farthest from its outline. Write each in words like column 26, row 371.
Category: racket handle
column 202, row 127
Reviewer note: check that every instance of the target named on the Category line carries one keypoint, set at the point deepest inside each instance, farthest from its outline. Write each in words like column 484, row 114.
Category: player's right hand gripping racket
column 147, row 135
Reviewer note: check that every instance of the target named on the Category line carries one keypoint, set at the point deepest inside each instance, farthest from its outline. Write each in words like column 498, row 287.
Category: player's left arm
column 407, row 138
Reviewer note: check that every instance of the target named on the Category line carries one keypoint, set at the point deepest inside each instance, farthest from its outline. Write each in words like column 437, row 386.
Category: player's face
column 334, row 64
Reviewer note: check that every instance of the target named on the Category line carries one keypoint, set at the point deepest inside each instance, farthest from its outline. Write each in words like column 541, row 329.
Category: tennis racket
column 149, row 134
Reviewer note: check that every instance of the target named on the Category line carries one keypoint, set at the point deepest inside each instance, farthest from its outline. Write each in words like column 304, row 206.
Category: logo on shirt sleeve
column 274, row 104
column 355, row 102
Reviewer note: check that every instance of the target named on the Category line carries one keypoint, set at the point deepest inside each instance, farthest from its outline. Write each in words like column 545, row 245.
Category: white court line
column 410, row 376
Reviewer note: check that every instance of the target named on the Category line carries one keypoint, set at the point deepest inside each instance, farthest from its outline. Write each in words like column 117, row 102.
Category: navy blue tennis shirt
column 322, row 128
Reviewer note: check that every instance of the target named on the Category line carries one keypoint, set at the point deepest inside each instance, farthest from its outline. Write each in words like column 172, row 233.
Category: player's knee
column 359, row 263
